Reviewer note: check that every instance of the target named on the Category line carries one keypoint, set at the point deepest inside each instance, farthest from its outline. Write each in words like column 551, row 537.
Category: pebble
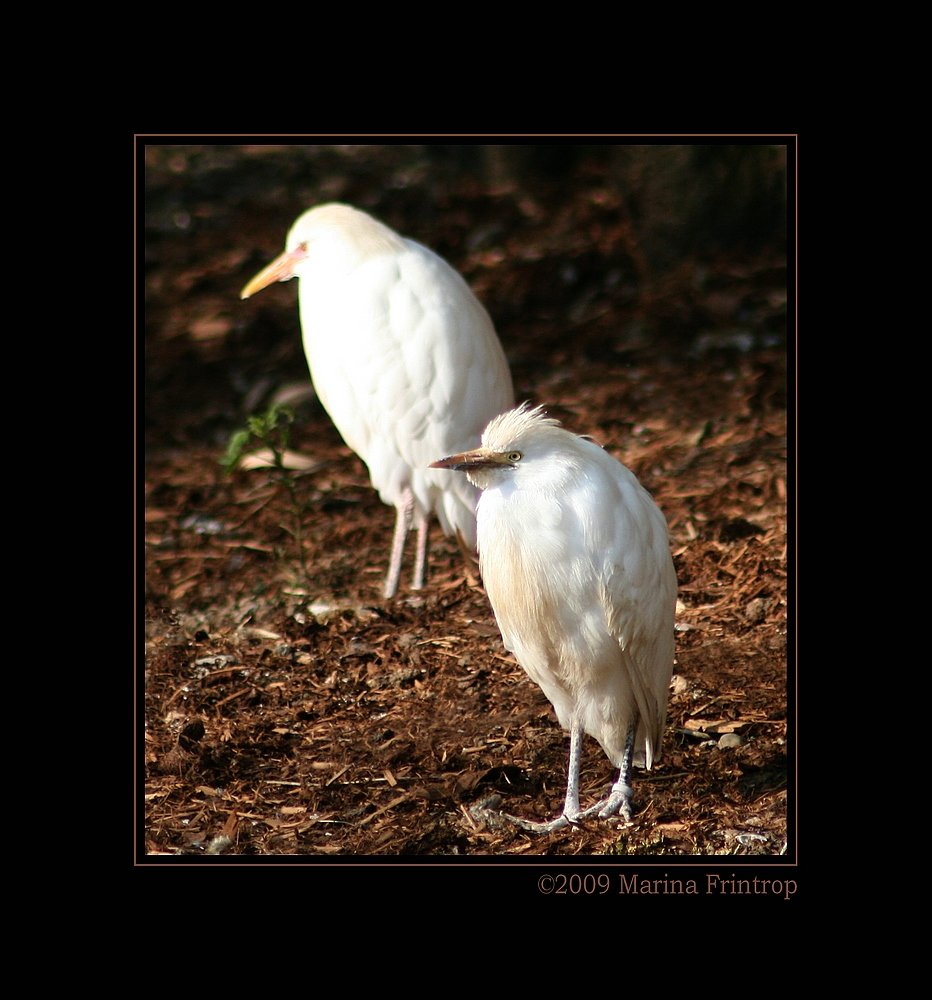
column 218, row 661
column 678, row 684
column 756, row 610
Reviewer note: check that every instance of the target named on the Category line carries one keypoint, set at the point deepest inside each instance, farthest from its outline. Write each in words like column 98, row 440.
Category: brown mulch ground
column 298, row 714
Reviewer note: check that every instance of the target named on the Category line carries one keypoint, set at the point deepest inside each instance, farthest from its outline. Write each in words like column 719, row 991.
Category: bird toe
column 618, row 803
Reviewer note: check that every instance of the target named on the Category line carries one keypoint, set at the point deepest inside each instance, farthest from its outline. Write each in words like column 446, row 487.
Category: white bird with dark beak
column 575, row 559
column 403, row 357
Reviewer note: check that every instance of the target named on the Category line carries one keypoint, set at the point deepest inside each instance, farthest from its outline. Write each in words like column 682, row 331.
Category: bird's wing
column 415, row 372
column 407, row 363
column 450, row 348
column 470, row 382
column 638, row 596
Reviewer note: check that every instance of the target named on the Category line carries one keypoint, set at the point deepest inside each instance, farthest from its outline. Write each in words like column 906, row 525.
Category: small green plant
column 271, row 431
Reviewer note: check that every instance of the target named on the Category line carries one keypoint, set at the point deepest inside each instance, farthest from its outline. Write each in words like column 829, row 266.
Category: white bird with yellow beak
column 575, row 559
column 403, row 357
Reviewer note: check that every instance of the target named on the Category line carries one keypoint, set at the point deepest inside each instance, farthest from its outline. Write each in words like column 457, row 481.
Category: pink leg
column 420, row 559
column 403, row 516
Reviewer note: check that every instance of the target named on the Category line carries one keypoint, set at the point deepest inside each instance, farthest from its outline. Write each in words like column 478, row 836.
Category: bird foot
column 487, row 811
column 618, row 803
column 560, row 823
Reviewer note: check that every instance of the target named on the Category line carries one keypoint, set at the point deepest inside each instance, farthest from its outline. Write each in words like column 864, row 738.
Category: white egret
column 575, row 559
column 403, row 357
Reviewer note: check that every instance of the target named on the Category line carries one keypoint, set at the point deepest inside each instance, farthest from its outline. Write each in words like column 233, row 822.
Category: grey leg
column 571, row 811
column 620, row 799
column 617, row 803
column 571, row 804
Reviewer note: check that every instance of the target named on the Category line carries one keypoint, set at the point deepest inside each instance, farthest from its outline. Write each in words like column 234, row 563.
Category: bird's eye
column 514, row 456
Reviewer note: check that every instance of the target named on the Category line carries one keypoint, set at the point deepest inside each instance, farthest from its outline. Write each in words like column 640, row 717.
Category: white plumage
column 575, row 559
column 403, row 357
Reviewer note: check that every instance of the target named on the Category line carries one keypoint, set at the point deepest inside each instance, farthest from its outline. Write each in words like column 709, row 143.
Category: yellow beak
column 281, row 269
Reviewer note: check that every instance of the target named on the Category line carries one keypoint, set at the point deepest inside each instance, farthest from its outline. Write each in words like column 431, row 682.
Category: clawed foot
column 617, row 804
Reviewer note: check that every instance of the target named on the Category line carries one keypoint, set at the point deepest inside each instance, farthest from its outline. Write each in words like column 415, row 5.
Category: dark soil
column 298, row 713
